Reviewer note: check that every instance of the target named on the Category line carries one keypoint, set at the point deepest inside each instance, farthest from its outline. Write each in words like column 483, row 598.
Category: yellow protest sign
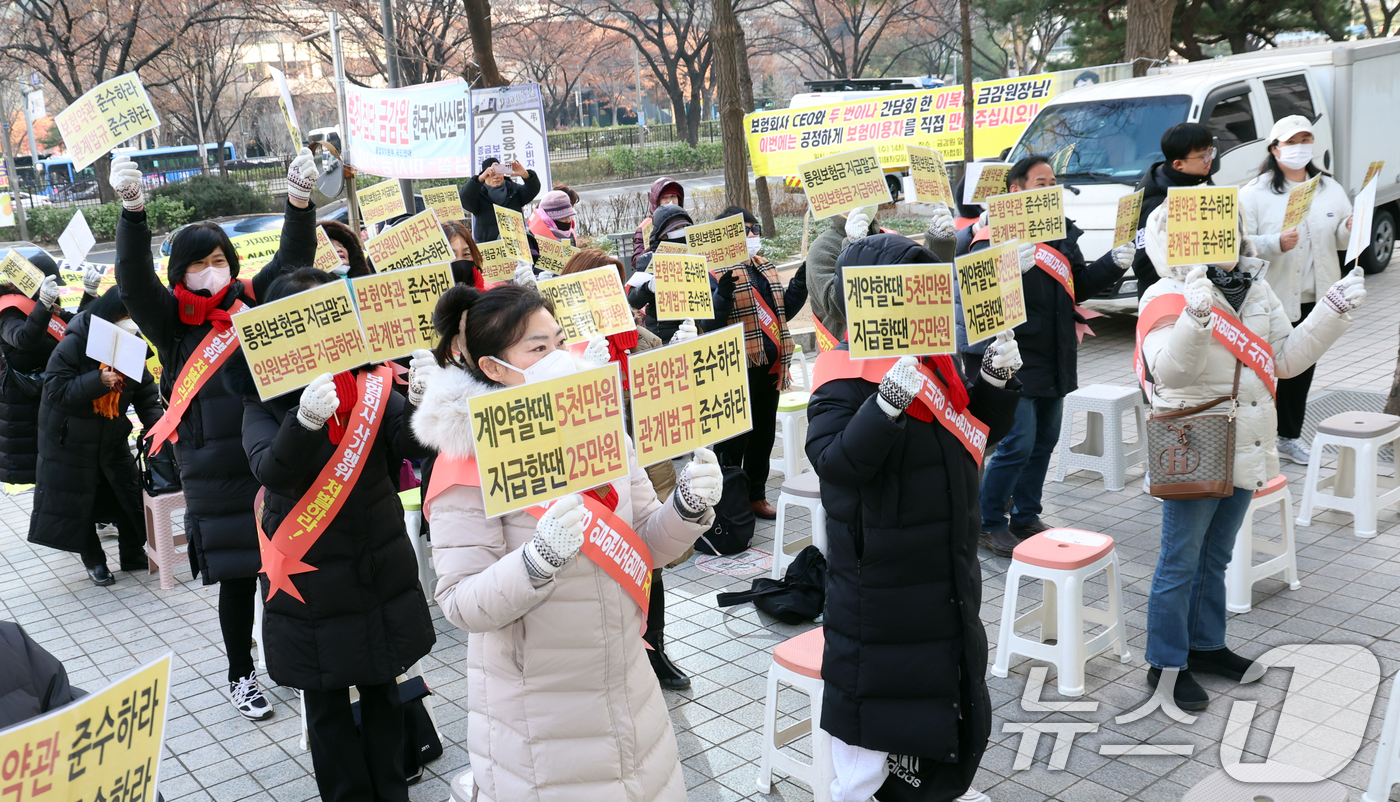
column 553, row 254
column 107, row 115
column 381, row 202
column 899, row 310
column 1126, row 226
column 496, row 262
column 541, row 441
column 327, row 259
column 589, row 303
column 257, row 249
column 843, row 182
column 991, row 180
column 292, row 341
column 105, row 745
column 722, row 243
column 1372, row 171
column 647, row 226
column 24, row 275
column 688, row 395
column 1033, row 215
column 1202, row 225
column 990, row 283
column 1300, row 202
column 682, row 287
column 930, row 175
column 512, row 226
column 446, row 202
column 673, row 247
column 396, row 308
column 416, row 241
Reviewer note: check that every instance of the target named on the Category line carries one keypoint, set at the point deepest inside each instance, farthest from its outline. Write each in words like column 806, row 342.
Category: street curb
column 622, row 182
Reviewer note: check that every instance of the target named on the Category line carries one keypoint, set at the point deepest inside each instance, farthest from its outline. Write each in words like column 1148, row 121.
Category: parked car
column 239, row 225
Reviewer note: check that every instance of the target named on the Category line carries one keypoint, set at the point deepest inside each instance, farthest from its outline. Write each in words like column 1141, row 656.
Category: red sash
column 1246, row 346
column 608, row 540
column 772, row 329
column 965, row 426
column 26, row 305
column 1055, row 263
column 960, row 223
column 304, row 525
column 825, row 342
column 207, row 358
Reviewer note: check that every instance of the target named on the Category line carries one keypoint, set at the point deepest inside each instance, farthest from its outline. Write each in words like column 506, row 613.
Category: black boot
column 100, row 576
column 1187, row 692
column 1223, row 662
column 667, row 672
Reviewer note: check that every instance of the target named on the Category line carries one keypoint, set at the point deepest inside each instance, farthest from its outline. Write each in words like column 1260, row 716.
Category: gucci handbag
column 1191, row 452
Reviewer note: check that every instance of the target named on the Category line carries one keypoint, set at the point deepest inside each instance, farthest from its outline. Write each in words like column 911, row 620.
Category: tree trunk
column 765, row 201
column 479, row 25
column 1149, row 33
column 725, row 39
column 692, row 116
column 105, row 193
column 969, row 99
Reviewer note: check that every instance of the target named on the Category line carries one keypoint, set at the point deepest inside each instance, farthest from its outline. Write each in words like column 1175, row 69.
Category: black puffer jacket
column 1155, row 183
column 218, row 486
column 481, row 201
column 79, row 448
column 25, row 346
column 664, row 220
column 32, row 681
column 906, row 652
column 364, row 620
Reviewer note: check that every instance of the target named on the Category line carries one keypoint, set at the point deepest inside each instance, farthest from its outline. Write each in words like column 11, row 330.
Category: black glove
column 801, row 274
column 726, row 285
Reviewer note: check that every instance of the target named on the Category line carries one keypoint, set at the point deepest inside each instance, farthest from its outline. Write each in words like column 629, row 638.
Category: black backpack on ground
column 420, row 740
column 734, row 518
column 796, row 598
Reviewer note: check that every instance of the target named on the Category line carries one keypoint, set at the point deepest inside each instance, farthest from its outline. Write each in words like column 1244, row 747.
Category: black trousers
column 656, row 607
column 752, row 450
column 357, row 764
column 1292, row 398
column 236, row 621
column 131, row 536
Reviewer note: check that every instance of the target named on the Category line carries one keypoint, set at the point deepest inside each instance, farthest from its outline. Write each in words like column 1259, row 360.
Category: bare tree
column 843, row 38
column 1384, row 11
column 536, row 58
column 1149, row 33
column 432, row 37
column 479, row 24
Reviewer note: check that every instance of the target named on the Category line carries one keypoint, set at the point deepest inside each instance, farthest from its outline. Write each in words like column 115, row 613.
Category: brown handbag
column 1191, row 452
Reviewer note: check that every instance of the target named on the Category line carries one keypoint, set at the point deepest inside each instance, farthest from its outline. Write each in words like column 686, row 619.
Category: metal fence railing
column 268, row 175
column 583, row 142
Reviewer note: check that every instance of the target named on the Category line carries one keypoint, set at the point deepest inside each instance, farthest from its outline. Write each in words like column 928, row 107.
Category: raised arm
column 151, row 304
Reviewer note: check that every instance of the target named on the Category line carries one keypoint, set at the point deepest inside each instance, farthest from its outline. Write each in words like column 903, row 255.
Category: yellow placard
column 541, row 441
column 416, row 241
column 381, row 202
column 930, row 175
column 396, row 308
column 292, row 341
column 553, row 254
column 446, row 202
column 722, row 243
column 257, row 249
column 1033, row 215
column 1372, row 171
column 589, row 303
column 496, row 261
column 844, row 182
column 106, row 745
column 1202, row 225
column 647, row 225
column 104, row 117
column 1129, row 210
column 512, row 226
column 673, row 247
column 690, row 394
column 23, row 274
column 990, row 283
column 682, row 287
column 1300, row 202
column 327, row 259
column 899, row 310
column 991, row 181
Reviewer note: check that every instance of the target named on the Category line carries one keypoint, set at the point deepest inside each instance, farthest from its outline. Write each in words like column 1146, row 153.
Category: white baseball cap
column 1284, row 129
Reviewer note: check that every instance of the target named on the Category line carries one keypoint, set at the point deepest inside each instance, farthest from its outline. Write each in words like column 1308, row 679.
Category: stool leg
column 1239, row 584
column 1008, row 620
column 780, row 463
column 1049, row 612
column 792, row 454
column 1344, row 482
column 770, row 729
column 1115, row 472
column 1365, row 515
column 779, row 550
column 1290, row 553
column 1386, row 772
column 823, row 768
column 1115, row 609
column 1305, row 504
column 301, row 699
column 1062, row 448
column 1073, row 654
column 819, row 527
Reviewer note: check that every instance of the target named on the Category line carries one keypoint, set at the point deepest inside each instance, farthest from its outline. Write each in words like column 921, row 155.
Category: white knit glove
column 558, row 537
column 1002, row 359
column 421, row 366
column 318, row 402
column 1199, row 294
column 48, row 291
column 900, row 385
column 545, row 275
column 685, row 333
column 92, row 278
column 1026, row 251
column 301, row 177
column 941, row 226
column 700, row 485
column 857, row 225
column 126, row 180
column 525, row 274
column 596, row 353
column 1348, row 293
column 1123, row 255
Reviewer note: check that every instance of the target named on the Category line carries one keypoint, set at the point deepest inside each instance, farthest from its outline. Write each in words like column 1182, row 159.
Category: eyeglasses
column 1209, row 156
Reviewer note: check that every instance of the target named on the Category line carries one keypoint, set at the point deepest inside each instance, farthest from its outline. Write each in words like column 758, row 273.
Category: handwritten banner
column 722, row 243
column 291, row 341
column 930, row 175
column 512, row 226
column 843, row 182
column 1126, row 226
column 327, row 259
column 689, row 395
column 416, row 241
column 899, row 310
column 446, row 202
column 396, row 309
column 589, row 303
column 1032, row 215
column 553, row 254
column 990, row 283
column 104, row 117
column 1202, row 225
column 496, row 262
column 381, row 202
column 682, row 287
column 1300, row 202
column 22, row 273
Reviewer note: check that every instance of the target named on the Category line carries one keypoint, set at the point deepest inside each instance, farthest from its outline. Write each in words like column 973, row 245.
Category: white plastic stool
column 412, row 501
column 161, row 540
column 463, row 788
column 1102, row 450
column 800, row 358
column 1241, row 575
column 792, row 420
column 1064, row 559
column 804, row 491
column 797, row 662
column 1386, row 771
column 1355, row 487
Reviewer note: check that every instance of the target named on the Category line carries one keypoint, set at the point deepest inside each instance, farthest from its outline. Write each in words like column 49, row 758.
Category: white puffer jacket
column 1190, row 368
column 1321, row 234
column 562, row 702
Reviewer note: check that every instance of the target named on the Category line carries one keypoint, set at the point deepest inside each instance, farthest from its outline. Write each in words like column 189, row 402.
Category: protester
column 664, row 192
column 357, row 617
column 466, row 257
column 560, row 186
column 86, row 473
column 906, row 652
column 348, row 247
column 492, row 188
column 827, row 298
column 1188, row 160
column 553, row 219
column 183, row 322
column 1050, row 348
column 32, row 681
column 1190, row 365
column 668, row 225
column 1302, row 260
column 554, row 642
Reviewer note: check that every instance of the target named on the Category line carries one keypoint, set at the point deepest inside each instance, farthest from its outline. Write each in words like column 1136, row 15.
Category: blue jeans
column 1017, row 469
column 1186, row 609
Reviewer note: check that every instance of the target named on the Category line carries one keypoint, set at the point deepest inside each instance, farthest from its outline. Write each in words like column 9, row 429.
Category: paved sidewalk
column 1350, row 595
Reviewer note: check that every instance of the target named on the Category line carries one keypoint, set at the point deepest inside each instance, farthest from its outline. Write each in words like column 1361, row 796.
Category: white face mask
column 340, row 270
column 1295, row 157
column 129, row 326
column 755, row 245
column 554, row 365
column 212, row 279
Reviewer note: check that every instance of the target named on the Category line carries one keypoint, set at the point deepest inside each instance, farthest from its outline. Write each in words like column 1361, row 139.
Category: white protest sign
column 113, row 347
column 508, row 124
column 77, row 239
column 289, row 112
column 1363, row 215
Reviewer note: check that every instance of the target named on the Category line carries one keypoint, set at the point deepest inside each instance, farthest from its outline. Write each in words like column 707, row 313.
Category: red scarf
column 943, row 366
column 618, row 345
column 346, row 392
column 196, row 309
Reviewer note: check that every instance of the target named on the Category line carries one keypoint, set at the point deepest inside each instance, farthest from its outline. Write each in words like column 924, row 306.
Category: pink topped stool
column 162, row 552
column 797, row 662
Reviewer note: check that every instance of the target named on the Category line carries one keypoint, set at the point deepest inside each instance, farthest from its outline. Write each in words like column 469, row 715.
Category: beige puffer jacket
column 1190, row 368
column 563, row 705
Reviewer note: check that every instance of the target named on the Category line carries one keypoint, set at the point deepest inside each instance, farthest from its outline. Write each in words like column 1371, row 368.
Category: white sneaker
column 247, row 698
column 106, row 530
column 1293, row 448
column 974, row 795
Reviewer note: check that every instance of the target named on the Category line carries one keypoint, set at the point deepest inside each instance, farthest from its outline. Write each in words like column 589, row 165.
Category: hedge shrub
column 46, row 223
column 215, row 196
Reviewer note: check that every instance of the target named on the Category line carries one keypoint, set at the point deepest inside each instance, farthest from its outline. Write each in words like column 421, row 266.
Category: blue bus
column 158, row 165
